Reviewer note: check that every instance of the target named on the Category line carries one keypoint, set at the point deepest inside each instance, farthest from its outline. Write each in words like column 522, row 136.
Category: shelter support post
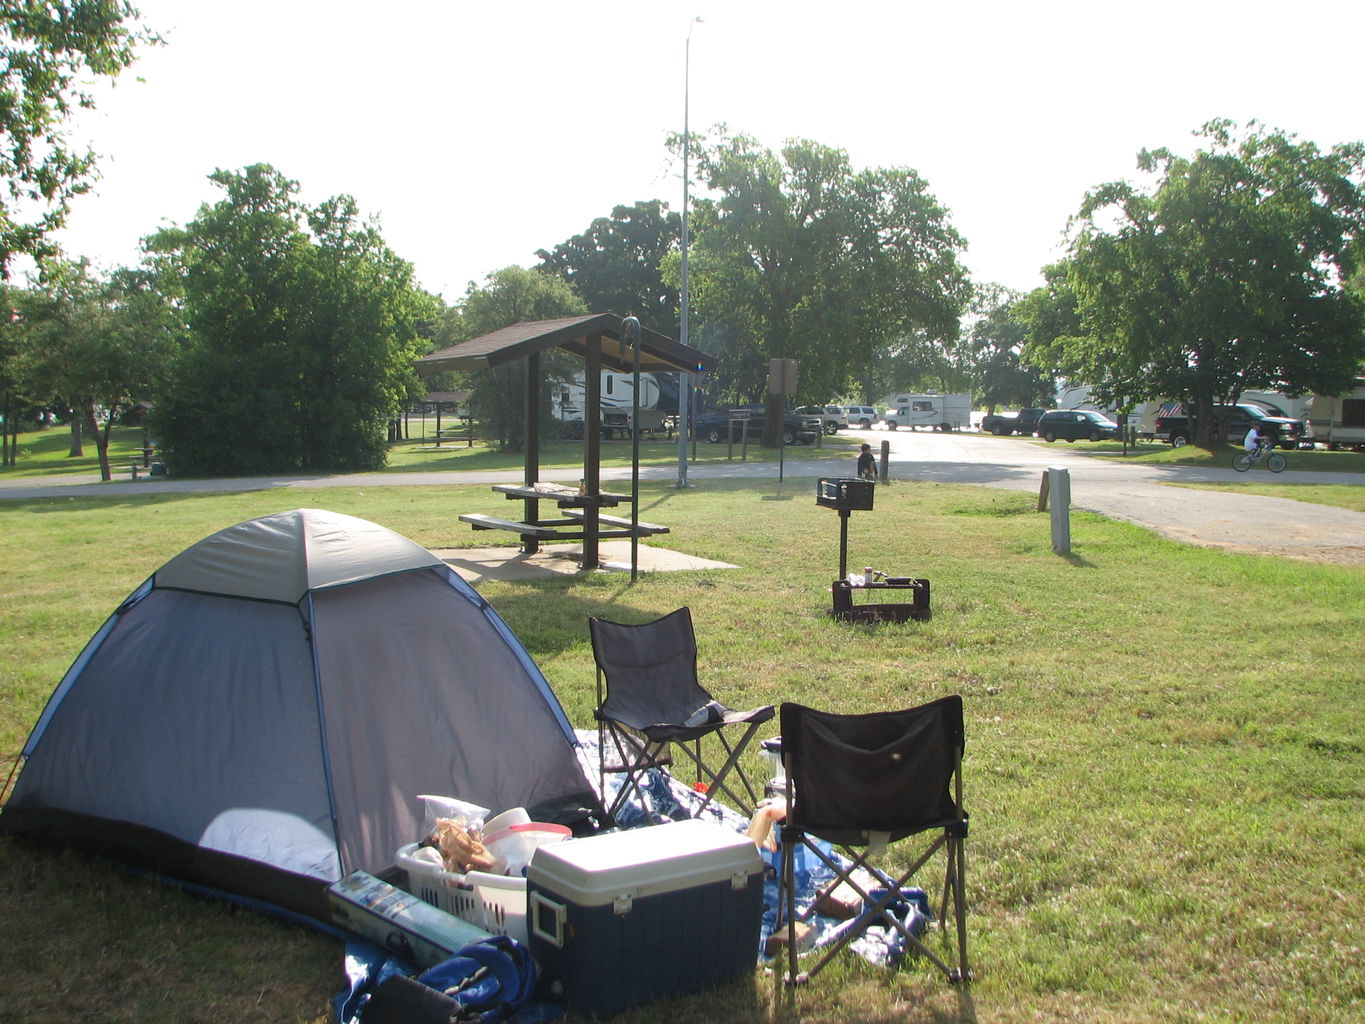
column 592, row 444
column 531, row 512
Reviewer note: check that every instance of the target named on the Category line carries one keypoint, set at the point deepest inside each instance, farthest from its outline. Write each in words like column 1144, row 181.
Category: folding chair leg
column 954, row 888
column 716, row 781
column 636, row 761
column 788, row 885
column 960, row 902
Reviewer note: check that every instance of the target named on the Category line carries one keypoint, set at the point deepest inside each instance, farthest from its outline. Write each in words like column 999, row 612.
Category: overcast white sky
column 478, row 133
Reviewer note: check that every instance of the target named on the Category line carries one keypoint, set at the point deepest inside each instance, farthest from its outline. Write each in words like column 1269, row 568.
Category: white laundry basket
column 496, row 903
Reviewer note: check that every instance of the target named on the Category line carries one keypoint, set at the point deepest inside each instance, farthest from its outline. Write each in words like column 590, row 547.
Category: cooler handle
column 539, row 901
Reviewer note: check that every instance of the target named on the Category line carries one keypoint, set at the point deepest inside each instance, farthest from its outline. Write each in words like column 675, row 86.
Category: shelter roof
column 658, row 352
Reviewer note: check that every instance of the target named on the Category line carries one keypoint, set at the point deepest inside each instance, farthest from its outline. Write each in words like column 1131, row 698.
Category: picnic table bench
column 483, row 522
column 646, row 529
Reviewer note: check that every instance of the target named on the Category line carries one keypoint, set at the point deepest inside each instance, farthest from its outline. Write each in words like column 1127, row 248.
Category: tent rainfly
column 261, row 715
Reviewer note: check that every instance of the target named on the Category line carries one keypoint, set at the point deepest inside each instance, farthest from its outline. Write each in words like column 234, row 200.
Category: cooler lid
column 642, row 862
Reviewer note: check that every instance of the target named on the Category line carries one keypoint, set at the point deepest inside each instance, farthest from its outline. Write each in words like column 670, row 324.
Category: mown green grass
column 47, row 453
column 1315, row 460
column 1165, row 759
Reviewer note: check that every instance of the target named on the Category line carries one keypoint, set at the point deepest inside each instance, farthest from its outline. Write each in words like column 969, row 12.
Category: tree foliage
column 614, row 266
column 1224, row 275
column 995, row 343
column 510, row 296
column 800, row 256
column 304, row 326
column 51, row 54
column 93, row 346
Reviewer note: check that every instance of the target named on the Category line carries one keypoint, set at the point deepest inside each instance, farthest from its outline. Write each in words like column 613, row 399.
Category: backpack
column 485, row 982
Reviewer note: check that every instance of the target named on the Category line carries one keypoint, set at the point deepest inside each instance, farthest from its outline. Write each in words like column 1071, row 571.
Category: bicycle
column 1273, row 460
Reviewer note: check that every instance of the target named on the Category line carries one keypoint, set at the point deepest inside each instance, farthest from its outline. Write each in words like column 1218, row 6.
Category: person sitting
column 867, row 463
column 1252, row 442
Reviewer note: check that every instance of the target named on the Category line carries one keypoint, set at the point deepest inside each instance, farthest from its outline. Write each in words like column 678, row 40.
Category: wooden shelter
column 596, row 339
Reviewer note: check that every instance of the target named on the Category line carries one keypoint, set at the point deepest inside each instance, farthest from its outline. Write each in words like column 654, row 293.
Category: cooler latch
column 622, row 904
column 739, row 880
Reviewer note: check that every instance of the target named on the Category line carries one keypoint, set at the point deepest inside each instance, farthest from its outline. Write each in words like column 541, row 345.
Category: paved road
column 1146, row 494
column 1123, row 490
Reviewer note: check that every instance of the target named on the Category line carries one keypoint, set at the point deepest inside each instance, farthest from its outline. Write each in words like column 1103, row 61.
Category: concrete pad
column 509, row 563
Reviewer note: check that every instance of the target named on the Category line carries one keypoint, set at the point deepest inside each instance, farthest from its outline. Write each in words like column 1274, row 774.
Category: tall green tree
column 16, row 404
column 51, row 54
column 615, row 266
column 304, row 326
column 798, row 255
column 1224, row 274
column 95, row 346
column 510, row 296
column 995, row 344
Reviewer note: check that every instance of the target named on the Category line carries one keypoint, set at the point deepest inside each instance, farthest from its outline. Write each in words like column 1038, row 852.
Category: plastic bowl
column 517, row 843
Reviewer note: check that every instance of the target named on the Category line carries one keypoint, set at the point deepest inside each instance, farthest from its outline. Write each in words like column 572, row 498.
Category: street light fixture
column 685, row 379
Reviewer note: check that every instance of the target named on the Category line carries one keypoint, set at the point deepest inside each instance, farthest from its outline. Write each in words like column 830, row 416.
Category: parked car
column 861, row 416
column 1002, row 424
column 722, row 426
column 1076, row 425
column 832, row 416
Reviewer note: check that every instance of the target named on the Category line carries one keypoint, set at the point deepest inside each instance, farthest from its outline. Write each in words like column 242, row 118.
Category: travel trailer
column 617, row 391
column 1338, row 421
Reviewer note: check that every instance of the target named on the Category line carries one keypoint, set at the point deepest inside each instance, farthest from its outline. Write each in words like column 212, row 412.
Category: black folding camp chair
column 649, row 699
column 861, row 783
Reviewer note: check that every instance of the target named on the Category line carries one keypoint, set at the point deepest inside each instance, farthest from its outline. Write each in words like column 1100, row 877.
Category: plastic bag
column 471, row 816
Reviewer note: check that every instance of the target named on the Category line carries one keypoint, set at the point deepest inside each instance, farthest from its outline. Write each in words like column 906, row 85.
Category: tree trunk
column 101, row 438
column 1204, row 426
column 77, row 443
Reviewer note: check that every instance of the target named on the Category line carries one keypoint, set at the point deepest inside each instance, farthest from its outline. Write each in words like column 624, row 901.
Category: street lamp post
column 685, row 379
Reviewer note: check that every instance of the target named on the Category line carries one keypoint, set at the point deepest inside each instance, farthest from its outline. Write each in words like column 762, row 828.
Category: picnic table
column 580, row 516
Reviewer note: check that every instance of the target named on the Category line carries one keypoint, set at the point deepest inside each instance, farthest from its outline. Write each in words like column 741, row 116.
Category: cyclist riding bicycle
column 1258, row 448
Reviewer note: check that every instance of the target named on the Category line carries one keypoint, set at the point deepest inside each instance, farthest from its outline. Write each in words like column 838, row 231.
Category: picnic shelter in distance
column 598, row 340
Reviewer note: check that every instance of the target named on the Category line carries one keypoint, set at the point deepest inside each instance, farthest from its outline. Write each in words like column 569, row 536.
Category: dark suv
column 720, row 426
column 1076, row 425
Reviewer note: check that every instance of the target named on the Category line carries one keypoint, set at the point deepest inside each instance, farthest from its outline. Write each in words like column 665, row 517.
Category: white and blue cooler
column 629, row 917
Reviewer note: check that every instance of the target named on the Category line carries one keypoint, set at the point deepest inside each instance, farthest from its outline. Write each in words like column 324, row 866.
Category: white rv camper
column 937, row 412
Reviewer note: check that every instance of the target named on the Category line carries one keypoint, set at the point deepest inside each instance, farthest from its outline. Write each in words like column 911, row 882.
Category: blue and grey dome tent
column 261, row 715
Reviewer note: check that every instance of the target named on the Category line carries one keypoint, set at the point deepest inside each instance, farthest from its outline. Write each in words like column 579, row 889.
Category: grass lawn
column 47, row 453
column 1165, row 760
column 1316, row 460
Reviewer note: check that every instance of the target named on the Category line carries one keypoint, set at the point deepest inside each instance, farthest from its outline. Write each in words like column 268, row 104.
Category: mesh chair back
column 889, row 772
column 650, row 669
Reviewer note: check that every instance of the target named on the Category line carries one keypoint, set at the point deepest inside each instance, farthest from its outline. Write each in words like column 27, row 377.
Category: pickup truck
column 1025, row 422
column 716, row 426
column 1174, row 427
